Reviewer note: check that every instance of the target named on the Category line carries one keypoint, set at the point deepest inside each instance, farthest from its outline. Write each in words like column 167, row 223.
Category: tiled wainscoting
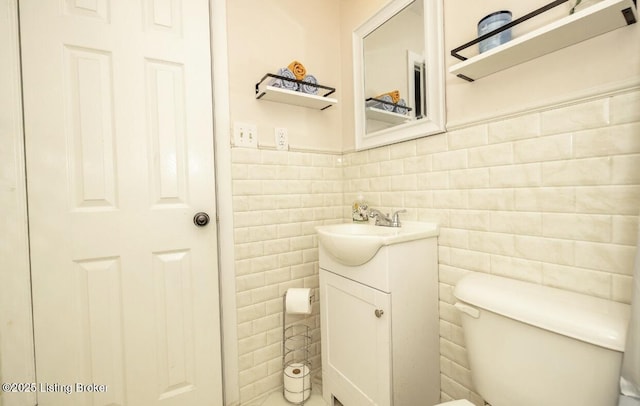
column 278, row 199
column 549, row 196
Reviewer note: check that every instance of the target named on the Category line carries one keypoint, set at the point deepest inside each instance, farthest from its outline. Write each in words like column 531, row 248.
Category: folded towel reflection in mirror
column 385, row 106
column 400, row 109
column 394, row 94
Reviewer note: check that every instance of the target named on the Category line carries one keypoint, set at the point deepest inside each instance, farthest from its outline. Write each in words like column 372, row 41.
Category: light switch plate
column 245, row 135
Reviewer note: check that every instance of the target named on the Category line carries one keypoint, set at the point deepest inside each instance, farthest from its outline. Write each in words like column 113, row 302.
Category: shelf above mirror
column 602, row 17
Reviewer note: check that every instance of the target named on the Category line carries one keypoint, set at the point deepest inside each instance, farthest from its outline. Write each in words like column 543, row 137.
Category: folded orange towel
column 395, row 95
column 298, row 69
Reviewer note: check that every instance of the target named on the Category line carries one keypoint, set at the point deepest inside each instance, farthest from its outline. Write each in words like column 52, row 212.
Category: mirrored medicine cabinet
column 399, row 73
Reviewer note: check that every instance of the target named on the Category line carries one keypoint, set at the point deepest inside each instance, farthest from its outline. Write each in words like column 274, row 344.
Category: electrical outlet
column 282, row 138
column 245, row 135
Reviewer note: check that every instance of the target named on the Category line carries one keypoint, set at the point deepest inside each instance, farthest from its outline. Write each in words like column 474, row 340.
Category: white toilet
column 531, row 345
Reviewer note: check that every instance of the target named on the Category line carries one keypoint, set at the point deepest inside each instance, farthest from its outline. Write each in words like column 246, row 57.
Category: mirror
column 399, row 73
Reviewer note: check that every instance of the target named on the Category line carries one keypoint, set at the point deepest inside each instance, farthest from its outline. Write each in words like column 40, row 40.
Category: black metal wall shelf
column 265, row 91
column 600, row 18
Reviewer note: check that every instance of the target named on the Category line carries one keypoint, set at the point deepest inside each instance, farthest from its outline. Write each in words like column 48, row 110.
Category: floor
column 277, row 399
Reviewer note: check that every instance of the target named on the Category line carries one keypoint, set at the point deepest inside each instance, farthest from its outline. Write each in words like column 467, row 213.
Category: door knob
column 379, row 313
column 201, row 219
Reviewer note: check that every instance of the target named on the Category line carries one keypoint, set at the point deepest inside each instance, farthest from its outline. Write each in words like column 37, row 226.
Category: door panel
column 119, row 145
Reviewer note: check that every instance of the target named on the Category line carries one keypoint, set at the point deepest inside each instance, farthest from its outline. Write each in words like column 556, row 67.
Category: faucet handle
column 396, row 217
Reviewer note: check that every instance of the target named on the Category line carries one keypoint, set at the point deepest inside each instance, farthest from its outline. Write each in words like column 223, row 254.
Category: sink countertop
column 356, row 243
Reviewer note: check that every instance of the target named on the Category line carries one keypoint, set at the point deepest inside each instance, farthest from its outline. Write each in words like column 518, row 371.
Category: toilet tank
column 532, row 345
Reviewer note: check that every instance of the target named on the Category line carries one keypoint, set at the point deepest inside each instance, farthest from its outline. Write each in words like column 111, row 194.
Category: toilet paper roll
column 298, row 301
column 297, row 382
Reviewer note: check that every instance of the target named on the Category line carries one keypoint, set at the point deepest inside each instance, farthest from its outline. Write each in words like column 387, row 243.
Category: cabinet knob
column 379, row 313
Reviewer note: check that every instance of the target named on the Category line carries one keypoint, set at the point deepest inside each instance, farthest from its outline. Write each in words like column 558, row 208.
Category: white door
column 119, row 145
column 356, row 341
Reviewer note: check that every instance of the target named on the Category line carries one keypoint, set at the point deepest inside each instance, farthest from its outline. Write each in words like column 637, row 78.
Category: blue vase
column 491, row 22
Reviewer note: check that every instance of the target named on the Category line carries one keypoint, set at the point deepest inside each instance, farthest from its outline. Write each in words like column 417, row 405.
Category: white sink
column 355, row 244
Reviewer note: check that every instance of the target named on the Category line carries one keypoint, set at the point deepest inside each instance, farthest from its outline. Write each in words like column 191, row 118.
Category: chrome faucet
column 384, row 219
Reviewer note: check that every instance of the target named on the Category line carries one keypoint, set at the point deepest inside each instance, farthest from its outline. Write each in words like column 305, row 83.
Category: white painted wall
column 607, row 62
column 267, row 35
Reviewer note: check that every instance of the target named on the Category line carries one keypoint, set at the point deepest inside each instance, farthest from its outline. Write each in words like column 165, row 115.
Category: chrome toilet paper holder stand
column 296, row 349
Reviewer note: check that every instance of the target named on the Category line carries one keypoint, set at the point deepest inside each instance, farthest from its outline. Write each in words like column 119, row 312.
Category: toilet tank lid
column 594, row 320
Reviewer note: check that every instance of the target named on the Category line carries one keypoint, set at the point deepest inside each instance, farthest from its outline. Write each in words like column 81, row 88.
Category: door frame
column 17, row 363
column 226, row 256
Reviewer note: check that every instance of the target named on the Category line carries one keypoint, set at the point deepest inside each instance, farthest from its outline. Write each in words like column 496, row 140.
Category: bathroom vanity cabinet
column 358, row 340
column 379, row 329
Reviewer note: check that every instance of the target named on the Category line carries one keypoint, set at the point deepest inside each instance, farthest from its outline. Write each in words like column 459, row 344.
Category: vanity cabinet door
column 356, row 341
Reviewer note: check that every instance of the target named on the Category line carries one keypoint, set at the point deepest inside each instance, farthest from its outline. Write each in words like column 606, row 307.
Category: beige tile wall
column 278, row 197
column 550, row 197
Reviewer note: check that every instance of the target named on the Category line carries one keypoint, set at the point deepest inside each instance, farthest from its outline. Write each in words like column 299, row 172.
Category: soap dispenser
column 360, row 209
